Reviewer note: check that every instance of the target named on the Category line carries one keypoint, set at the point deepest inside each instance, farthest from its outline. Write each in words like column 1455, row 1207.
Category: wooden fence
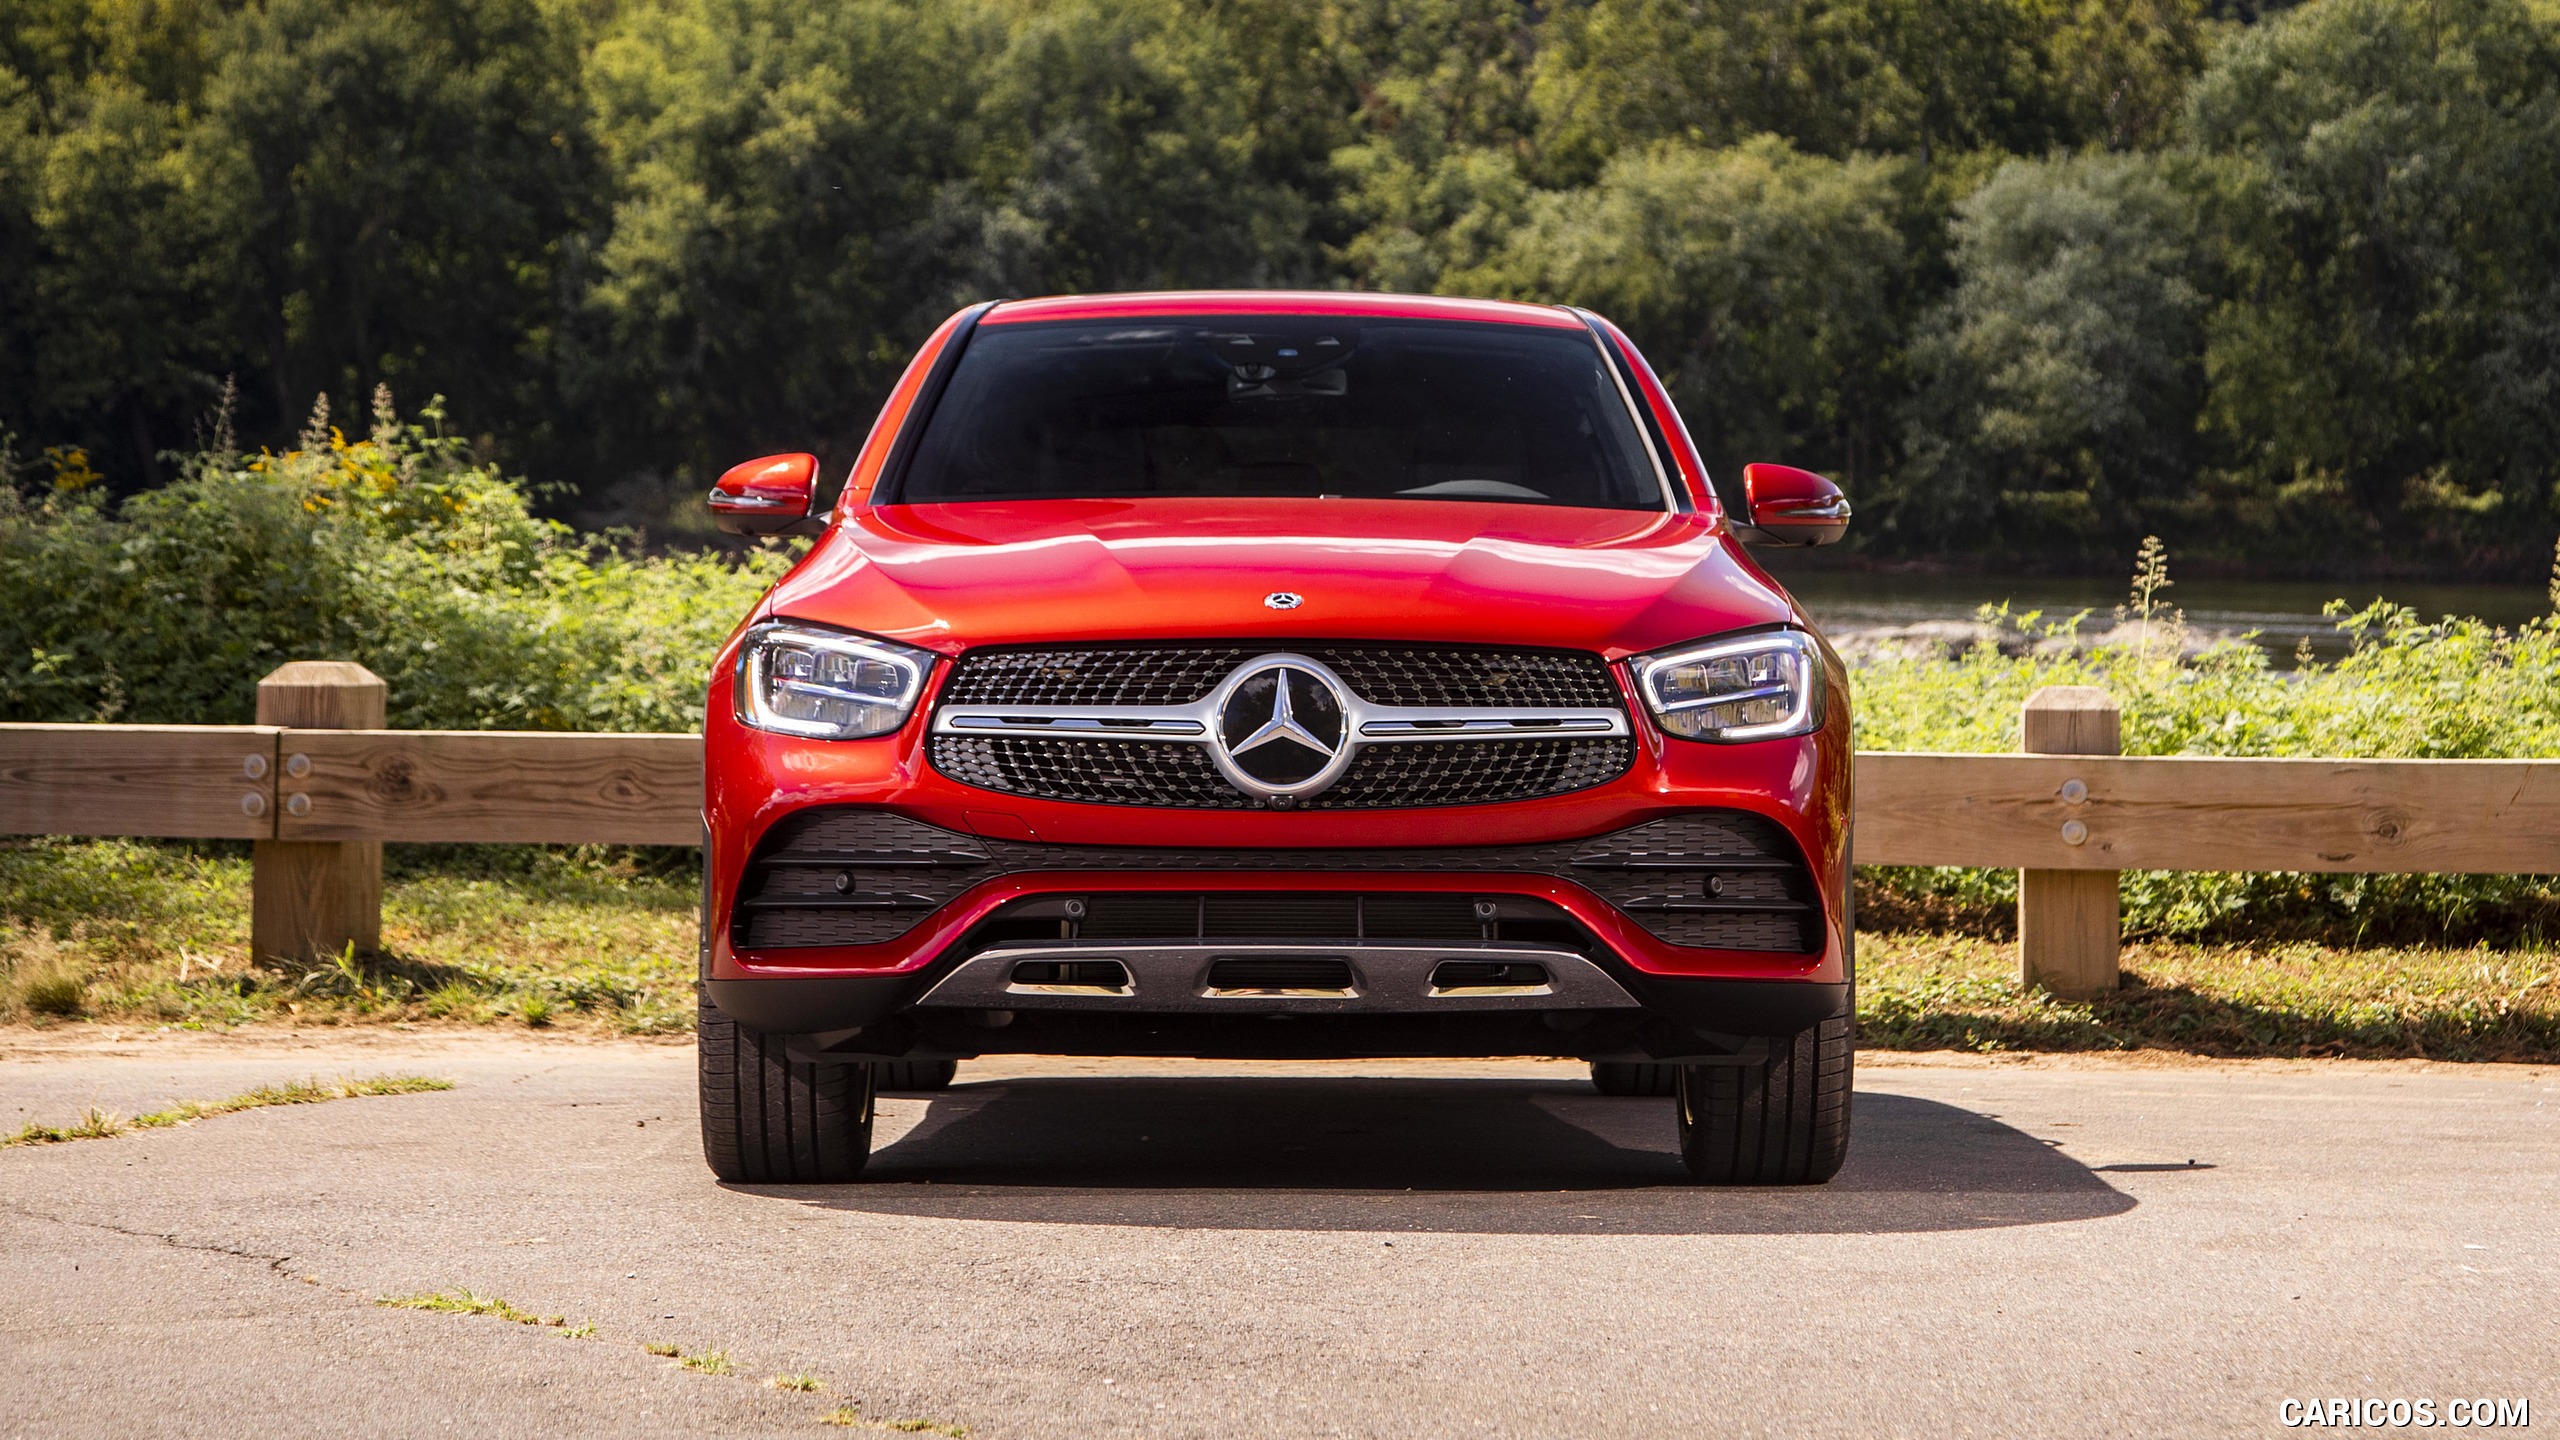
column 321, row 785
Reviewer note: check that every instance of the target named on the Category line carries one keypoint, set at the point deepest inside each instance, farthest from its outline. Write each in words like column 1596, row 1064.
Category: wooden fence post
column 2069, row 924
column 310, row 900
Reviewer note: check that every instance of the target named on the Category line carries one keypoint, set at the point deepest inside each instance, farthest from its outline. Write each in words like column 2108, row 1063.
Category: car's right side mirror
column 771, row 496
column 1792, row 507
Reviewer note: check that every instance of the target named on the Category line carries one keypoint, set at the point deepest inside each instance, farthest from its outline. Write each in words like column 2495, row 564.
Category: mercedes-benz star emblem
column 1281, row 732
column 1284, row 600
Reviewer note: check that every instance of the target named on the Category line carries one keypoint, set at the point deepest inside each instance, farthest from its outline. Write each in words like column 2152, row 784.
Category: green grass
column 1935, row 991
column 104, row 1125
column 158, row 933
column 467, row 1302
column 850, row 1418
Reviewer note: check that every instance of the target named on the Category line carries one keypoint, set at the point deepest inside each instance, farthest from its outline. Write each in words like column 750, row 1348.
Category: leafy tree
column 800, row 192
column 637, row 240
column 316, row 194
column 2122, row 67
column 1918, row 77
column 413, row 168
column 135, row 304
column 1770, row 286
column 1429, row 170
column 2061, row 379
column 2385, row 354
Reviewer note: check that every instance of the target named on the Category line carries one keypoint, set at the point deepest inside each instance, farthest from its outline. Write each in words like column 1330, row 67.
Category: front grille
column 1100, row 772
column 1463, row 676
column 1123, row 675
column 1474, row 772
column 1182, row 777
column 1719, row 879
column 1413, row 685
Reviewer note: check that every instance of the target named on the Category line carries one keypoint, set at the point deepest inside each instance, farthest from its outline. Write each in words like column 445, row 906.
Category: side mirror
column 770, row 496
column 1792, row 507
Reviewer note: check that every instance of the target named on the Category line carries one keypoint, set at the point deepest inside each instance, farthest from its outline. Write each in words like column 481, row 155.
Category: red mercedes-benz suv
column 1277, row 675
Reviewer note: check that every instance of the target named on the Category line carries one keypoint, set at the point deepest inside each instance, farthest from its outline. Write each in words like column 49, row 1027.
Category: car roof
column 1279, row 302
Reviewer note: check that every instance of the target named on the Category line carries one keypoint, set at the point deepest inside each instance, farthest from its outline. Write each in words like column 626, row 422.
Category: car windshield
column 1290, row 406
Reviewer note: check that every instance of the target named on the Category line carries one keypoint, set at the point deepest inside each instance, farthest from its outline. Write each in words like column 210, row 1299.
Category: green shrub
column 2408, row 689
column 56, row 994
column 397, row 551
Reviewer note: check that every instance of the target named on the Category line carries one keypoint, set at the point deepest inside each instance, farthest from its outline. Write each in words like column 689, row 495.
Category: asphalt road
column 1062, row 1248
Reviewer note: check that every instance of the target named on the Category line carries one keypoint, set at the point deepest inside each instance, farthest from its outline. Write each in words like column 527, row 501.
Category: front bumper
column 986, row 869
column 885, row 936
column 854, row 1019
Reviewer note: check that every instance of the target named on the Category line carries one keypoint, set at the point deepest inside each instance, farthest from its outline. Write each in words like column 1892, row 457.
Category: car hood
column 948, row 577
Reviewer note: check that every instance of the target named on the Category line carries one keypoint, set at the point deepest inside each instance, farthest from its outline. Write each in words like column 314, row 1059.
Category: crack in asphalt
column 274, row 1263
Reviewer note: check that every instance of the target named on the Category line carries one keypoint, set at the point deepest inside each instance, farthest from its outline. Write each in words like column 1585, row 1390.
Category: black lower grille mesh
column 845, row 876
column 1182, row 777
column 1286, row 915
column 1718, row 879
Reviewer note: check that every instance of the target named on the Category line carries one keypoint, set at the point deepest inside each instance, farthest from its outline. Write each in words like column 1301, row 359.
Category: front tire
column 1781, row 1122
column 770, row 1120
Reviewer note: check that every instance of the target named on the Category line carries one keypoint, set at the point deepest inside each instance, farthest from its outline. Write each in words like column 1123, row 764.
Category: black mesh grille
column 1124, row 675
column 1380, row 674
column 1473, row 772
column 1104, row 772
column 1538, row 679
column 1721, row 879
column 1181, row 776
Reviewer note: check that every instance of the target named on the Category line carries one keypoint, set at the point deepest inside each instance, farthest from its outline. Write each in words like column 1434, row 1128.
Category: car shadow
column 1460, row 1156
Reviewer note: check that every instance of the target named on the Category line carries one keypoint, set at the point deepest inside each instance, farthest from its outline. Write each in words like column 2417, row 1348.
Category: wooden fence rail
column 2041, row 813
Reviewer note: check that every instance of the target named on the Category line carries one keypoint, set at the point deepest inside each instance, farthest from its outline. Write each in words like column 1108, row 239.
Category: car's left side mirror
column 771, row 496
column 1792, row 507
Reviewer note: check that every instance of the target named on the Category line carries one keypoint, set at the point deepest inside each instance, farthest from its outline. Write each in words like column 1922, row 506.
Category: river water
column 2282, row 612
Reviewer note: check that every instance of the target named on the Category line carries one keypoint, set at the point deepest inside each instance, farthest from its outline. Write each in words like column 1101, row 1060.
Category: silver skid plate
column 1384, row 979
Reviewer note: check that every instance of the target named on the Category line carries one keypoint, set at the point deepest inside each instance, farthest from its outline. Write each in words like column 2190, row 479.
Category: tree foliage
column 2041, row 274
column 2058, row 385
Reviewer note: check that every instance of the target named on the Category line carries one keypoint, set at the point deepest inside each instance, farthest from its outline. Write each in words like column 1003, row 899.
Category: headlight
column 827, row 685
column 1754, row 687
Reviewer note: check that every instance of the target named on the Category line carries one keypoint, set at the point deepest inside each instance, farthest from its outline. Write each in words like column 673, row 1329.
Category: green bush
column 2409, row 688
column 398, row 551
